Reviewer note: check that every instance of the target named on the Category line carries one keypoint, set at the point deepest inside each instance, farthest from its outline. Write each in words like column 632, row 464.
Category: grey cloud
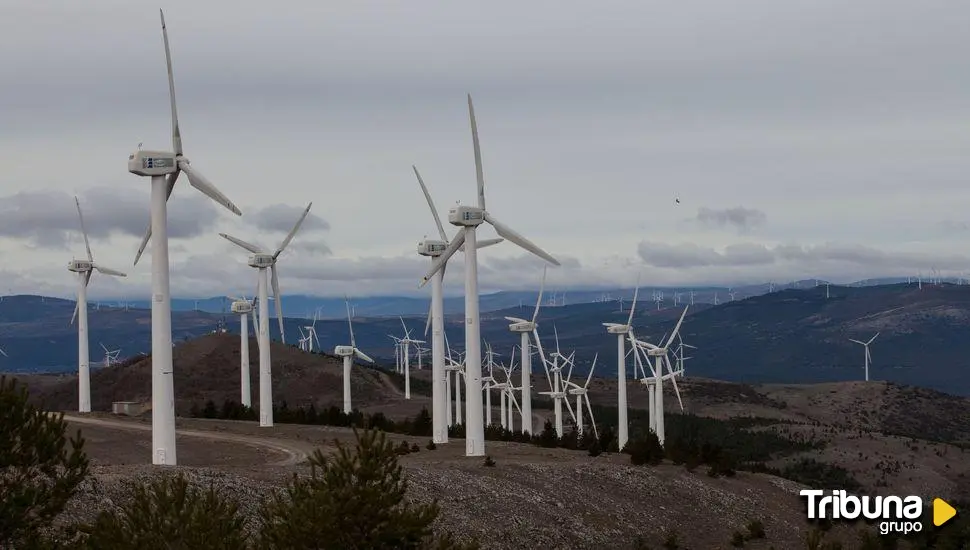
column 49, row 218
column 811, row 257
column 281, row 217
column 741, row 218
column 531, row 262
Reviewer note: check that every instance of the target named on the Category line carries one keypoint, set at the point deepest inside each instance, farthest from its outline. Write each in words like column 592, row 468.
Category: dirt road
column 295, row 452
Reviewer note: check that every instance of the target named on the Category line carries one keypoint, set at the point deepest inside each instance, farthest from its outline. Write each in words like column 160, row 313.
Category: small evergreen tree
column 40, row 469
column 353, row 499
column 169, row 513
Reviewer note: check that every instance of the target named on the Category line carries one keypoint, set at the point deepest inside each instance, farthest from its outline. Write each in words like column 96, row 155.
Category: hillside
column 788, row 336
column 207, row 368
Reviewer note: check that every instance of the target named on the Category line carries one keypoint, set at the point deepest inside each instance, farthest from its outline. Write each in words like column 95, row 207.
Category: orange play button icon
column 942, row 512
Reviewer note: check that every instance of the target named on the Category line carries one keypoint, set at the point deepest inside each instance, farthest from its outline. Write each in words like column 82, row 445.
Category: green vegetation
column 40, row 469
column 354, row 498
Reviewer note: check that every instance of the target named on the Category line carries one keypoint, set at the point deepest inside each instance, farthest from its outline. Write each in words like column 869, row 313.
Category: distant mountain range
column 299, row 305
column 790, row 335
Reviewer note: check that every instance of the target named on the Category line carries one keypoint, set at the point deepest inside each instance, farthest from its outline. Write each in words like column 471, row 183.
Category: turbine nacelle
column 80, row 266
column 466, row 216
column 432, row 247
column 241, row 307
column 343, row 351
column 261, row 260
column 153, row 163
column 616, row 328
column 521, row 325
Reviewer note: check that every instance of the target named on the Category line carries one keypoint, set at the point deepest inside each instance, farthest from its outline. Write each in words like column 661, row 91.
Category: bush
column 489, row 462
column 671, row 540
column 41, row 469
column 170, row 513
column 756, row 529
column 594, row 448
column 352, row 499
column 645, row 449
column 737, row 539
column 431, row 445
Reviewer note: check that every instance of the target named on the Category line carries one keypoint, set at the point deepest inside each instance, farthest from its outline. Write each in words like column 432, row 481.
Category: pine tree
column 40, row 469
column 169, row 513
column 353, row 499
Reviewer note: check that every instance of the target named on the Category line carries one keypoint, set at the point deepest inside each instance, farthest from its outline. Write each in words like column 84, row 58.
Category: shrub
column 170, row 513
column 431, row 445
column 645, row 449
column 756, row 529
column 489, row 462
column 737, row 539
column 671, row 540
column 40, row 469
column 352, row 499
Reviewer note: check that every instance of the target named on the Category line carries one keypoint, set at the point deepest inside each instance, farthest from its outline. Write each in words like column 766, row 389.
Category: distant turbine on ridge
column 469, row 218
column 263, row 260
column 84, row 269
column 868, row 357
column 164, row 168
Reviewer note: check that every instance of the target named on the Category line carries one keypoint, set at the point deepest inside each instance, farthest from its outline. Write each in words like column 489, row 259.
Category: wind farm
column 674, row 334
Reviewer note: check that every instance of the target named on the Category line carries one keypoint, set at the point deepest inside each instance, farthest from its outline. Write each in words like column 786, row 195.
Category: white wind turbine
column 488, row 382
column 84, row 269
column 557, row 386
column 164, row 168
column 406, row 356
column 525, row 328
column 311, row 334
column 348, row 353
column 262, row 261
column 622, row 333
column 110, row 356
column 581, row 393
column 433, row 248
column 469, row 218
column 868, row 357
column 243, row 307
column 655, row 386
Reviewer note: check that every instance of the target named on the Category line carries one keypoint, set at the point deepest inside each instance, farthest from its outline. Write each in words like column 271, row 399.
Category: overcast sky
column 803, row 138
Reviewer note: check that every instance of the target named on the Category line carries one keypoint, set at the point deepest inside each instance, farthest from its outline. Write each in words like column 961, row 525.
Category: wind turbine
column 84, row 269
column 655, row 387
column 433, row 248
column 110, row 356
column 622, row 333
column 469, row 218
column 311, row 335
column 581, row 393
column 348, row 353
column 243, row 307
column 262, row 261
column 525, row 328
column 868, row 357
column 406, row 356
column 164, row 168
column 557, row 386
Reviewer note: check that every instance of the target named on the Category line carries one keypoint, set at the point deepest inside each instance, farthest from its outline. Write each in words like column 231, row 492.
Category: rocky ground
column 532, row 498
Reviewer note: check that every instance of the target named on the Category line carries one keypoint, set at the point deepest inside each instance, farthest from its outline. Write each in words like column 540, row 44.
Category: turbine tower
column 525, row 328
column 348, row 353
column 868, row 357
column 469, row 218
column 655, row 386
column 262, row 260
column 622, row 333
column 84, row 269
column 164, row 168
column 439, row 386
column 406, row 356
column 581, row 393
column 243, row 307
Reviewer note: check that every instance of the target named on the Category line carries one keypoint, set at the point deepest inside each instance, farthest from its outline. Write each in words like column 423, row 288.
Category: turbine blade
column 439, row 262
column 434, row 211
column 479, row 171
column 488, row 242
column 3, row 353
column 279, row 302
column 170, row 182
column 873, row 338
column 200, row 182
column 363, row 356
column 676, row 329
column 74, row 316
column 673, row 379
column 109, row 271
column 350, row 323
column 427, row 324
column 592, row 420
column 591, row 369
column 84, row 231
column 176, row 135
column 293, row 231
column 87, row 279
column 633, row 306
column 542, row 287
column 509, row 234
column 239, row 242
